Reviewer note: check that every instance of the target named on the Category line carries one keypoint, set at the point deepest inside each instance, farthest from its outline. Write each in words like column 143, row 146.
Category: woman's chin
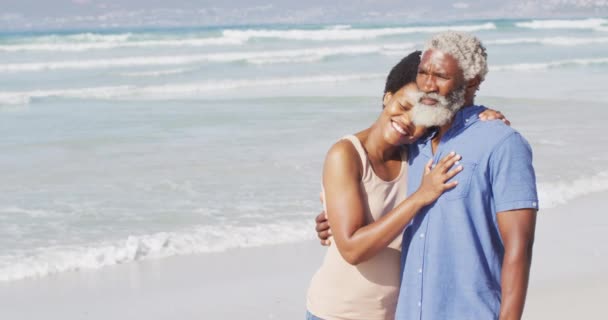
column 405, row 140
column 397, row 139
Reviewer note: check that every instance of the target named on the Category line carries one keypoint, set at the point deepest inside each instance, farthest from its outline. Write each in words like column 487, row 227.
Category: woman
column 364, row 185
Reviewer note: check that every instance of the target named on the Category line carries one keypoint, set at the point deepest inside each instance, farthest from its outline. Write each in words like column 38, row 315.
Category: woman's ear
column 387, row 97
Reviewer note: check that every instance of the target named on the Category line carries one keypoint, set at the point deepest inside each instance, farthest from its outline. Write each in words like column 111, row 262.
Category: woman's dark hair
column 403, row 73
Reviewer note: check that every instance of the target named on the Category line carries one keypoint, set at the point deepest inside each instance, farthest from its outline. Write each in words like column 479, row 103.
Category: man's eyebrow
column 441, row 73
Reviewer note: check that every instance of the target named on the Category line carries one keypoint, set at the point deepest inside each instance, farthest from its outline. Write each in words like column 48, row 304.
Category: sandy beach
column 568, row 279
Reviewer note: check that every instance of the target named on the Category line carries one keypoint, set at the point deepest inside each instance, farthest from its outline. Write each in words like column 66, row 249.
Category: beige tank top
column 368, row 291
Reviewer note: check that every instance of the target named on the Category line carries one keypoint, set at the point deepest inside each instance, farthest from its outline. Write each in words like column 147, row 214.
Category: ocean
column 127, row 145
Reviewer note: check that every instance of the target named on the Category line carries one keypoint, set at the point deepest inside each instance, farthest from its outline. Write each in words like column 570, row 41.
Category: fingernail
column 457, row 163
column 329, row 231
column 452, row 153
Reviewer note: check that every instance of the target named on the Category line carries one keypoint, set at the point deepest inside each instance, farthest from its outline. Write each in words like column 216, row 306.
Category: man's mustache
column 435, row 96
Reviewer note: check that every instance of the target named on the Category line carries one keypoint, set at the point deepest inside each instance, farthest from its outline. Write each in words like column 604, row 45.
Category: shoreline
column 568, row 279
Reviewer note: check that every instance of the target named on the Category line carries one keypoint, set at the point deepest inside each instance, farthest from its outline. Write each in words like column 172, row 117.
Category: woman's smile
column 400, row 129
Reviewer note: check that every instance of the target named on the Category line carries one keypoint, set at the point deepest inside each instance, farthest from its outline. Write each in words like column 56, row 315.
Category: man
column 468, row 255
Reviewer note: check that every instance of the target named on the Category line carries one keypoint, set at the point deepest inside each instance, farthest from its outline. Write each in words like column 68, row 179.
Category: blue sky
column 66, row 14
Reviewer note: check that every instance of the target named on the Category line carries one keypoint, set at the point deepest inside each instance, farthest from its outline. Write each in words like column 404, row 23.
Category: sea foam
column 558, row 193
column 549, row 65
column 170, row 91
column 276, row 56
column 206, row 239
column 188, row 90
column 94, row 41
column 51, row 260
column 591, row 23
column 67, row 46
column 348, row 33
column 549, row 41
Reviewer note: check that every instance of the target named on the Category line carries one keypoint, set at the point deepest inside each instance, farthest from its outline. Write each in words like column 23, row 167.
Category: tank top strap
column 365, row 175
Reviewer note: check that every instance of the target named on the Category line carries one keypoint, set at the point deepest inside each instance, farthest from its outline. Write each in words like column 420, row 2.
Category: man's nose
column 429, row 84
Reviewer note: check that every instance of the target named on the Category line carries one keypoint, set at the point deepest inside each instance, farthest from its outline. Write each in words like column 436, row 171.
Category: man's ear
column 387, row 97
column 473, row 83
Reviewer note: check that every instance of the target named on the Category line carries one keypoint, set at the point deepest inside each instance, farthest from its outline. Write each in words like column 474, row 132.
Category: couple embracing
column 431, row 210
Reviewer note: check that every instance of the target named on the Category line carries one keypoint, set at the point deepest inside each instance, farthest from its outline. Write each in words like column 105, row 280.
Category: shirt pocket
column 464, row 181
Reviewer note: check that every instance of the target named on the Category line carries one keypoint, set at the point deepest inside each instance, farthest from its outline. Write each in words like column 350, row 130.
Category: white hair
column 440, row 114
column 466, row 49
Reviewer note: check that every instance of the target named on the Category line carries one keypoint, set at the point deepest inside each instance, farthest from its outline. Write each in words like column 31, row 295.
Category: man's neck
column 437, row 138
column 445, row 128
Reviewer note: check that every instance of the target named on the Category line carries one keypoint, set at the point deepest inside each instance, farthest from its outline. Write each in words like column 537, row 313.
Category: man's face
column 439, row 73
column 443, row 89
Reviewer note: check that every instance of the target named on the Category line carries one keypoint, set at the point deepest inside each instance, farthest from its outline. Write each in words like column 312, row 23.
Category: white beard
column 440, row 113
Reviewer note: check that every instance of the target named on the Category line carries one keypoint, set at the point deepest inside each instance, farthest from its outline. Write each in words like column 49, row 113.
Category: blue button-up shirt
column 452, row 251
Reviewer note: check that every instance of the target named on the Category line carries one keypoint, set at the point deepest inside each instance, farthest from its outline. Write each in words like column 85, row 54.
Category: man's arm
column 517, row 231
column 516, row 202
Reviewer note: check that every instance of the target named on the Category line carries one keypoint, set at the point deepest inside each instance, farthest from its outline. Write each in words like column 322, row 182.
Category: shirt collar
column 464, row 118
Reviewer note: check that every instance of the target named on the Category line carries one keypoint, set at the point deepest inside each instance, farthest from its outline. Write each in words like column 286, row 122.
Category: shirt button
column 422, row 235
column 420, row 270
column 419, row 303
column 534, row 204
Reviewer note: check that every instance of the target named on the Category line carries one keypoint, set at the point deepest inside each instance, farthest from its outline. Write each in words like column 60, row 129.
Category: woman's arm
column 321, row 224
column 356, row 241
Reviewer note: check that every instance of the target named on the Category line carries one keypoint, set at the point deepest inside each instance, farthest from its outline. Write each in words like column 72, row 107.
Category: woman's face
column 396, row 119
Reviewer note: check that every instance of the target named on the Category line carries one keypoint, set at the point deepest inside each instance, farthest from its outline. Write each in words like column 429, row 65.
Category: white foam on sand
column 270, row 282
column 203, row 239
column 206, row 239
column 558, row 193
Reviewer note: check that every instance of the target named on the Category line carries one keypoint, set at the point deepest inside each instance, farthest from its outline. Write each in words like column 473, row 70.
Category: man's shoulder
column 483, row 138
column 492, row 131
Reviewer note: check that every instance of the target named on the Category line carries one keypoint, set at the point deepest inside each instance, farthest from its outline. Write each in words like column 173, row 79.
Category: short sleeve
column 512, row 175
